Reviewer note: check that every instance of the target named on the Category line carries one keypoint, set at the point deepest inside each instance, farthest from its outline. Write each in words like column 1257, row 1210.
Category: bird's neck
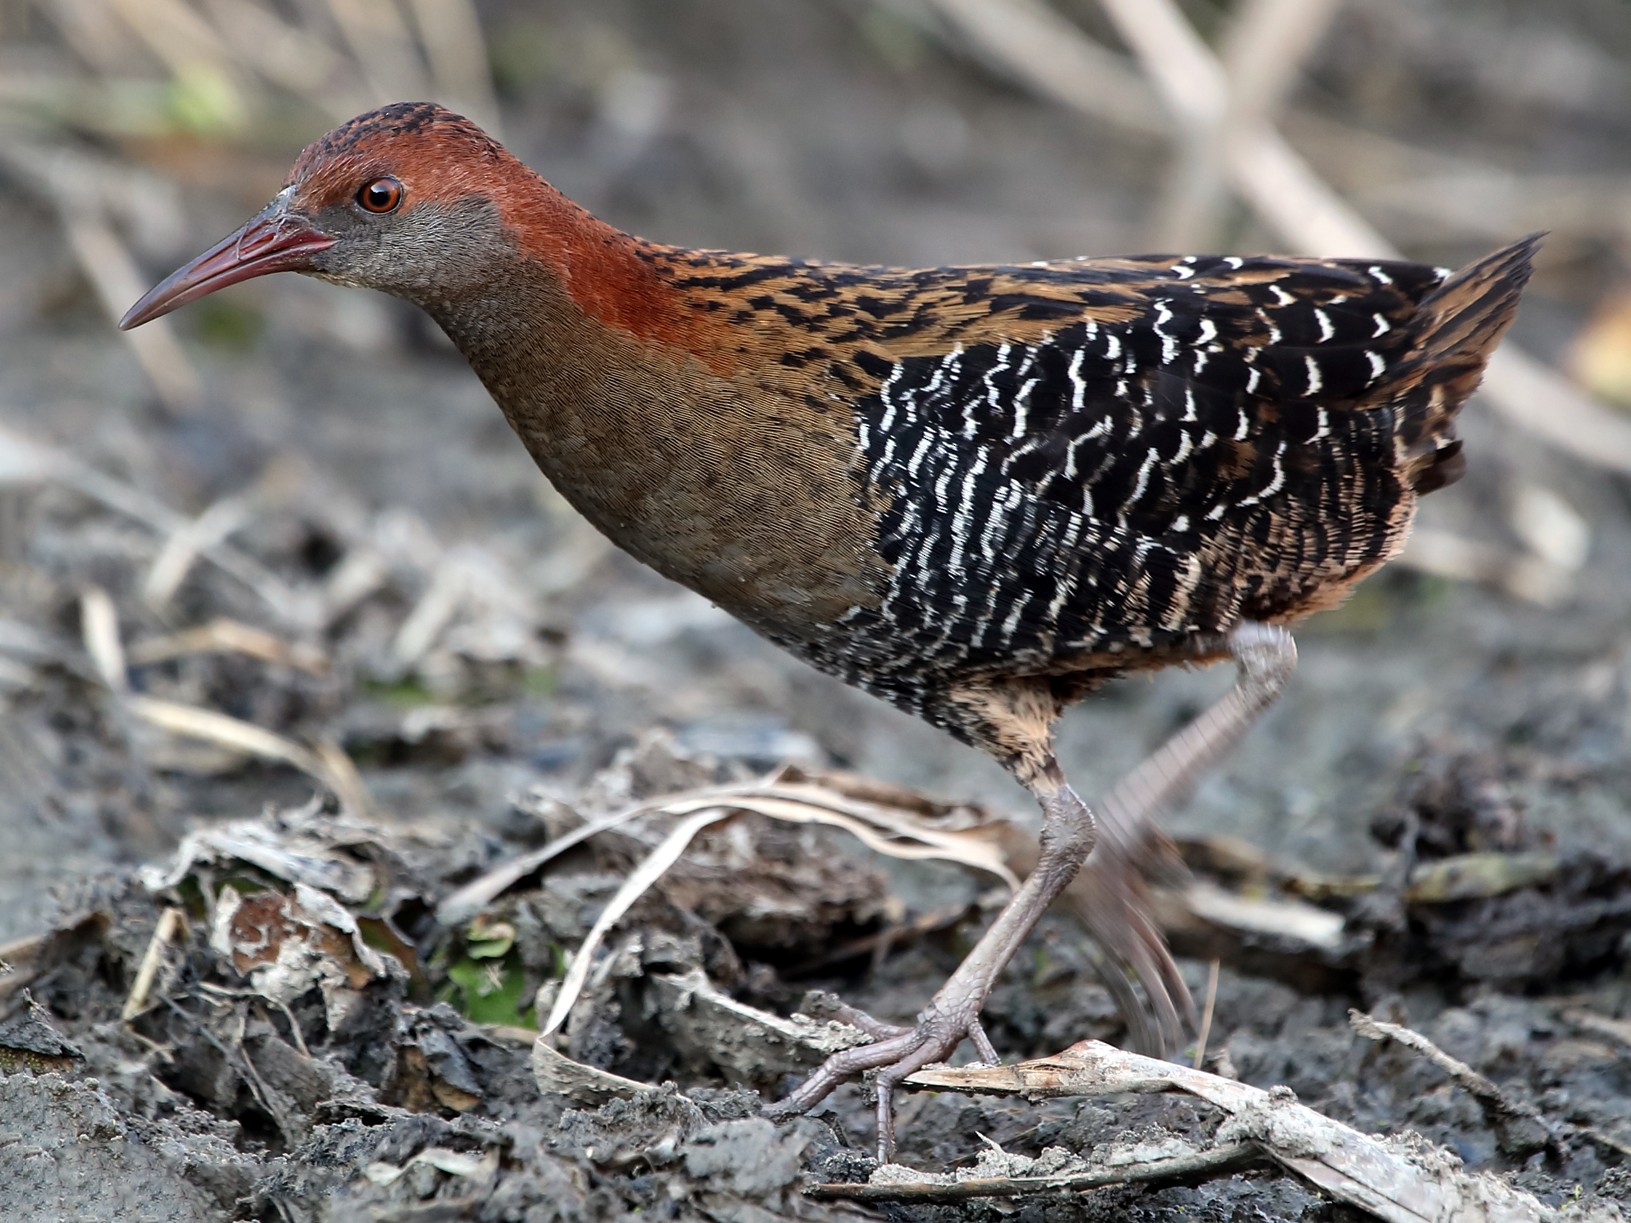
column 606, row 277
column 575, row 368
column 581, row 339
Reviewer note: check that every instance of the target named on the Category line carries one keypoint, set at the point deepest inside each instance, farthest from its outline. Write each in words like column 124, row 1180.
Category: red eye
column 381, row 195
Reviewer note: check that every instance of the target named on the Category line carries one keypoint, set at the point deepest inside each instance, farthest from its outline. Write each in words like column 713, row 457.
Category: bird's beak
column 276, row 240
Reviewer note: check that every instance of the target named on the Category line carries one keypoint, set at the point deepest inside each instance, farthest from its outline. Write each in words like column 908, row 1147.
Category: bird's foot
column 895, row 1053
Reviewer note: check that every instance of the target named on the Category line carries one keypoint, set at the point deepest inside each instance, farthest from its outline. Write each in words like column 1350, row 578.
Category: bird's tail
column 1457, row 327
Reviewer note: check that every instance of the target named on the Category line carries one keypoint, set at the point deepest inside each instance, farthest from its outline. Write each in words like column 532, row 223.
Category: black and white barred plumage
column 1151, row 451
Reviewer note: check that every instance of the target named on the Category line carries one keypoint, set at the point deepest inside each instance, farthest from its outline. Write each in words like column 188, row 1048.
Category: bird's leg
column 1266, row 658
column 953, row 1013
column 1111, row 905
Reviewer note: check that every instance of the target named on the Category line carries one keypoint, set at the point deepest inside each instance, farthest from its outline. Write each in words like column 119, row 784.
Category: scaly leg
column 1112, row 905
column 1067, row 838
column 1266, row 658
column 842, row 1012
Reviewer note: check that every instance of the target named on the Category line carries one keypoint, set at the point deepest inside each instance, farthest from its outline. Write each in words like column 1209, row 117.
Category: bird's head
column 411, row 199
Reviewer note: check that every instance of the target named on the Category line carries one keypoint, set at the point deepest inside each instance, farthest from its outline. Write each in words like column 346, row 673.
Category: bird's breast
column 745, row 494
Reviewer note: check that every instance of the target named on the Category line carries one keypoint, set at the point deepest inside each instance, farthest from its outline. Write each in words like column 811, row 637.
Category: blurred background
column 282, row 539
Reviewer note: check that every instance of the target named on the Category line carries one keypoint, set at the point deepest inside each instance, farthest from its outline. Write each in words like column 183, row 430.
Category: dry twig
column 223, row 634
column 172, row 921
column 1485, row 1091
column 1185, row 1168
column 895, row 832
column 1399, row 1180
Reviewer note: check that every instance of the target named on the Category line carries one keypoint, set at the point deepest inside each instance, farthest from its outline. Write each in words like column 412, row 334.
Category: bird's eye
column 381, row 195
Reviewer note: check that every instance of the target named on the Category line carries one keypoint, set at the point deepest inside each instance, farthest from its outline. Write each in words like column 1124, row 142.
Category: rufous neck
column 614, row 278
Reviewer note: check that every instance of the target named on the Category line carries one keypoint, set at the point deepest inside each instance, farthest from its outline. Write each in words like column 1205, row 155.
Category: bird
column 976, row 492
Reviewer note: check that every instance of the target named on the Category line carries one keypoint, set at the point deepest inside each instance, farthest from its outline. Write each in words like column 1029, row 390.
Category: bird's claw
column 894, row 1054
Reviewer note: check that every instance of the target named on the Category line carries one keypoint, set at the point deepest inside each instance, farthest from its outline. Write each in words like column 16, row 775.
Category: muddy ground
column 1447, row 779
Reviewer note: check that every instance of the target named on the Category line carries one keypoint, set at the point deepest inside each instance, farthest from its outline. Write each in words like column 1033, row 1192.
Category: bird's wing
column 1101, row 477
